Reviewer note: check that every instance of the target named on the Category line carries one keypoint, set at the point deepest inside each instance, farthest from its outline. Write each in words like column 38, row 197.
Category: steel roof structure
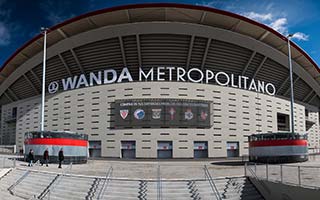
column 160, row 34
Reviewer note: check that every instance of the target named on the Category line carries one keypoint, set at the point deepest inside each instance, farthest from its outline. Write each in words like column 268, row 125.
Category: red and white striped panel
column 278, row 148
column 71, row 147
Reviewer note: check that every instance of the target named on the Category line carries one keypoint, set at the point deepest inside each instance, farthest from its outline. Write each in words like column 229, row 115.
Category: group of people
column 45, row 159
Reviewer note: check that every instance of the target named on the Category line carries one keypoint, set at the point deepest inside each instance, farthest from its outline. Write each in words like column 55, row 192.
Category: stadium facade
column 160, row 81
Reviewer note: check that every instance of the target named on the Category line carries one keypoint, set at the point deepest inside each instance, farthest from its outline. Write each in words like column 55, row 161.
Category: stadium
column 160, row 81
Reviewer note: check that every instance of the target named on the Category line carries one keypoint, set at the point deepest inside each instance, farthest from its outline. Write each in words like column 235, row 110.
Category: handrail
column 45, row 191
column 247, row 168
column 5, row 161
column 159, row 184
column 105, row 183
column 10, row 189
column 212, row 185
column 56, row 182
column 279, row 177
column 37, row 164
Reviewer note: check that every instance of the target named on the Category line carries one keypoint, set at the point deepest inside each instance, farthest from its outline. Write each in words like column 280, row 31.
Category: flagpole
column 44, row 32
column 291, row 84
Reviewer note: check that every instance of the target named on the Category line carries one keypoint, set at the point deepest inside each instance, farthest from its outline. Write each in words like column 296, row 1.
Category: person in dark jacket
column 46, row 157
column 61, row 157
column 30, row 158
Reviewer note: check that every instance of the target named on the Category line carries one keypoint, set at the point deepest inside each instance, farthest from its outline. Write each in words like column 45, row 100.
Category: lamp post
column 291, row 83
column 44, row 32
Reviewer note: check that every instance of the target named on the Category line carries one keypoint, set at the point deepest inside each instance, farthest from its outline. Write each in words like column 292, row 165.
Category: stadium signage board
column 177, row 74
column 160, row 113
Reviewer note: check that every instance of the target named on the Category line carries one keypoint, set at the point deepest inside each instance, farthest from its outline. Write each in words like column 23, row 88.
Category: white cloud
column 5, row 26
column 258, row 16
column 57, row 17
column 280, row 25
column 266, row 13
column 60, row 12
column 221, row 4
column 4, row 35
column 208, row 3
column 301, row 36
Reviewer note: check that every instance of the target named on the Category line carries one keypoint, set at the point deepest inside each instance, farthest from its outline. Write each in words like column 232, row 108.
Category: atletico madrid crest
column 204, row 115
column 172, row 111
column 124, row 113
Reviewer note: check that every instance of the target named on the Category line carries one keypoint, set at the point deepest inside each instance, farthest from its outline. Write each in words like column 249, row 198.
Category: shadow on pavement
column 229, row 163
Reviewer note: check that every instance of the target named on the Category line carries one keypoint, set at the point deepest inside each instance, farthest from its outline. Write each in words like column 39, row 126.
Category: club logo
column 139, row 114
column 188, row 115
column 204, row 115
column 156, row 113
column 172, row 111
column 124, row 113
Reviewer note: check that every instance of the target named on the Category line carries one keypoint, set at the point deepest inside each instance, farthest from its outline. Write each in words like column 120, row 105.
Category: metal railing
column 159, row 184
column 51, row 188
column 252, row 173
column 37, row 164
column 105, row 183
column 211, row 182
column 306, row 176
column 11, row 188
column 7, row 162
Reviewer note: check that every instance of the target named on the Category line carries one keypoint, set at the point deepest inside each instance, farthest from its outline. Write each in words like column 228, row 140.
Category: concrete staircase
column 121, row 189
column 27, row 184
column 70, row 187
column 33, row 184
column 238, row 188
column 171, row 190
column 8, row 178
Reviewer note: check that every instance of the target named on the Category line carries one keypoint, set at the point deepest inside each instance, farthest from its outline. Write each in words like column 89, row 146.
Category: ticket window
column 94, row 149
column 232, row 149
column 128, row 149
column 164, row 149
column 200, row 149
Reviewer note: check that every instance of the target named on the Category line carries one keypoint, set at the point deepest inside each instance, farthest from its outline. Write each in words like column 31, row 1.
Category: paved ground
column 191, row 169
column 305, row 173
column 149, row 169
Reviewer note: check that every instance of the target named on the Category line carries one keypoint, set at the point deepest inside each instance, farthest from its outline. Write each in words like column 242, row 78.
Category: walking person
column 61, row 157
column 46, row 157
column 30, row 158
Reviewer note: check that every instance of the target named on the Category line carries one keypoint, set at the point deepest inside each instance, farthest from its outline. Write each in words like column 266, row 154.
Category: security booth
column 200, row 149
column 232, row 149
column 74, row 145
column 128, row 149
column 164, row 149
column 94, row 149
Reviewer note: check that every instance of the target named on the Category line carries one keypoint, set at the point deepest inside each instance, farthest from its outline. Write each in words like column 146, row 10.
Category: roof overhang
column 160, row 12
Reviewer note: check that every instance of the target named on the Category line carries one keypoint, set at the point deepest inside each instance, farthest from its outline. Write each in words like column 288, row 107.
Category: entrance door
column 200, row 149
column 128, row 149
column 94, row 149
column 164, row 149
column 232, row 149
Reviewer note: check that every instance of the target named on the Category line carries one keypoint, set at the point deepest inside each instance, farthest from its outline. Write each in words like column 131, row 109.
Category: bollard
column 255, row 168
column 281, row 177
column 267, row 171
column 299, row 178
column 245, row 169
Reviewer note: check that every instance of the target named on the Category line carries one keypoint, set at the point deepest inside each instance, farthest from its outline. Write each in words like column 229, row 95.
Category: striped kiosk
column 74, row 145
column 278, row 147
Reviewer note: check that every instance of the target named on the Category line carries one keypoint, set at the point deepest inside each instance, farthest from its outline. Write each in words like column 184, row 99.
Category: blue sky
column 21, row 20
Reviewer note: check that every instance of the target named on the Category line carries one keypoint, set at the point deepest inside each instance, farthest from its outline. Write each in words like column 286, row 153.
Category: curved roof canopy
column 208, row 17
